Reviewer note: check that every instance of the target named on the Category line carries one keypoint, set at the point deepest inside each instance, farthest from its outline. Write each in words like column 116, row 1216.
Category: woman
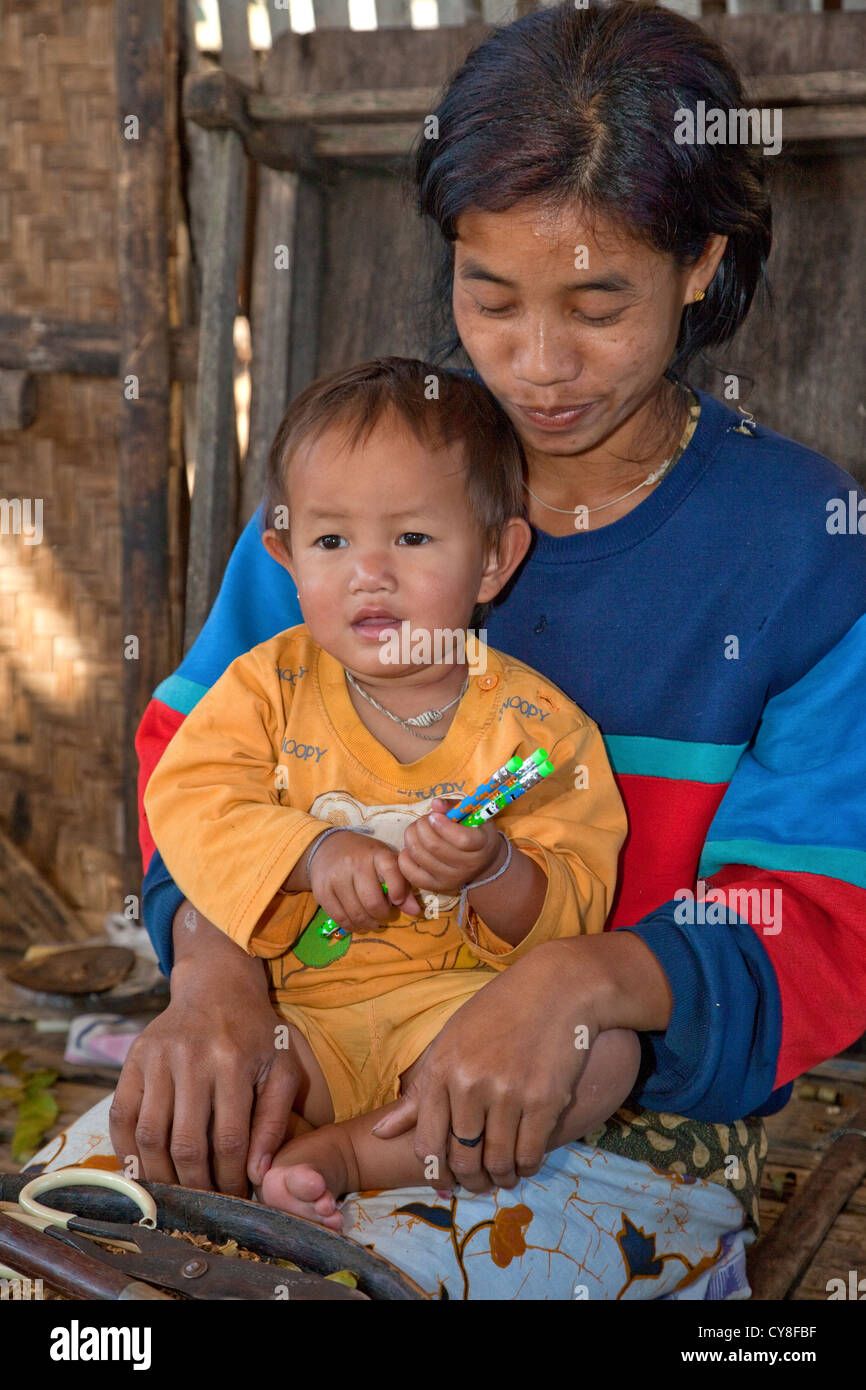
column 684, row 587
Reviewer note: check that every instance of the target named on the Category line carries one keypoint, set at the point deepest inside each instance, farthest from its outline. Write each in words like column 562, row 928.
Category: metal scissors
column 155, row 1257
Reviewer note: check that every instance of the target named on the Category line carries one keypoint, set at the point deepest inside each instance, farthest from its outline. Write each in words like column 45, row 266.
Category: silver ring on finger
column 467, row 1143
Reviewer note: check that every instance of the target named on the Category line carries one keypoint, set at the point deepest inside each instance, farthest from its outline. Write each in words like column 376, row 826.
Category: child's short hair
column 438, row 404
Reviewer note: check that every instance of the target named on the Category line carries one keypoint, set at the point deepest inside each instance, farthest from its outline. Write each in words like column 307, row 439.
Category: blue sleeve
column 257, row 599
column 160, row 899
column 717, row 1059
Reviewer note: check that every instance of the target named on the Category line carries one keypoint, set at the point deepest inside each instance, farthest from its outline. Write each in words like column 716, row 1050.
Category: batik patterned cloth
column 589, row 1226
column 732, row 1155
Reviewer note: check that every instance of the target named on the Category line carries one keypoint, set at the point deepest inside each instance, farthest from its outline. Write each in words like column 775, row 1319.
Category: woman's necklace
column 572, row 511
column 429, row 716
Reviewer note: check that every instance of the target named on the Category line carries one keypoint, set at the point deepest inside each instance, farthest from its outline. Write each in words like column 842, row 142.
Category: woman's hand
column 204, row 1089
column 508, row 1062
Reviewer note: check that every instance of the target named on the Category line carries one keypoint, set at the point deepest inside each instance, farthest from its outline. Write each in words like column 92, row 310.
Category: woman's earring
column 699, row 294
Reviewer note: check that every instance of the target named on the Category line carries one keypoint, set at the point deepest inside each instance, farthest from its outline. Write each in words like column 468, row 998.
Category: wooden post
column 780, row 1259
column 143, row 51
column 284, row 311
column 213, row 508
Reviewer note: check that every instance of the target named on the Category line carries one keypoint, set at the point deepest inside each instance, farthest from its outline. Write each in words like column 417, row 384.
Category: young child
column 321, row 764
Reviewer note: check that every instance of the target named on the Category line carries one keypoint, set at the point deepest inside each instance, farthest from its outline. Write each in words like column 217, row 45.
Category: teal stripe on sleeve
column 179, row 694
column 849, row 865
column 672, row 758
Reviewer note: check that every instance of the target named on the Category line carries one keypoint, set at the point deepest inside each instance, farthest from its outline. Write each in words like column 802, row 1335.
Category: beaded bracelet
column 480, row 882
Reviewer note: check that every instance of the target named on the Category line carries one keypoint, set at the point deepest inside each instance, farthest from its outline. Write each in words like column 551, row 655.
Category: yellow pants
column 364, row 1048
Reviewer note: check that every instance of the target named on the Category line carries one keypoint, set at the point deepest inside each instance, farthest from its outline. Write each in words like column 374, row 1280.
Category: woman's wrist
column 620, row 978
column 203, row 952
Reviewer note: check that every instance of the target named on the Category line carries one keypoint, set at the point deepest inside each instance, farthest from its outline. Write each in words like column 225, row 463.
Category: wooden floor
column 798, row 1136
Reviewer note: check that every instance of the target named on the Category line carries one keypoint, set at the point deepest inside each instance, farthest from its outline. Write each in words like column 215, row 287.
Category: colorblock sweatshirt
column 717, row 636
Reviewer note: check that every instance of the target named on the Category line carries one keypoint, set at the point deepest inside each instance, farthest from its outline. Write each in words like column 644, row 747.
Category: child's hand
column 346, row 877
column 440, row 855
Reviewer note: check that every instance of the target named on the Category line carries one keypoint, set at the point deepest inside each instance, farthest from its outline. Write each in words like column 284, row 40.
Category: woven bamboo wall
column 60, row 639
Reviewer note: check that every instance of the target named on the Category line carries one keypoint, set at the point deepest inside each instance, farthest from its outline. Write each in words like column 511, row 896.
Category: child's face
column 381, row 534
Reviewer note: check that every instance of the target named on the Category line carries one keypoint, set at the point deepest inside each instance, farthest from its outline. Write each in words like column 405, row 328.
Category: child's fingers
column 399, row 887
column 447, row 847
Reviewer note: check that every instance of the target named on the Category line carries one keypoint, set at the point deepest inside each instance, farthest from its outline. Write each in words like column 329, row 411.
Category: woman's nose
column 546, row 353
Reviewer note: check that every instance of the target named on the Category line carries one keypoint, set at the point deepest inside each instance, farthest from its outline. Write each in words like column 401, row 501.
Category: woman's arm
column 516, row 1050
column 210, row 1062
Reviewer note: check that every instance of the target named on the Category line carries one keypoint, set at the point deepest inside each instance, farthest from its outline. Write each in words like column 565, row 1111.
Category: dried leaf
column 343, row 1276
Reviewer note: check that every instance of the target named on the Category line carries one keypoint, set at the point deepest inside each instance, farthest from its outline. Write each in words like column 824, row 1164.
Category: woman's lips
column 554, row 420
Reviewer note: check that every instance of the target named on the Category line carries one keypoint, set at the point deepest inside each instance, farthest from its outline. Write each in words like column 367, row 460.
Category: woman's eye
column 495, row 313
column 322, row 541
column 599, row 323
column 414, row 537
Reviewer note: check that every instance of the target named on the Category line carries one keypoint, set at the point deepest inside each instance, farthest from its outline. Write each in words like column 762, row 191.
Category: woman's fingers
column 190, row 1124
column 500, row 1143
column 275, row 1096
column 123, row 1113
column 153, row 1128
column 431, row 1129
column 468, row 1122
column 230, row 1137
column 532, row 1141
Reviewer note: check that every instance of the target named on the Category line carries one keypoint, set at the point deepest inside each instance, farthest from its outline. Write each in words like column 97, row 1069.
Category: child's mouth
column 374, row 624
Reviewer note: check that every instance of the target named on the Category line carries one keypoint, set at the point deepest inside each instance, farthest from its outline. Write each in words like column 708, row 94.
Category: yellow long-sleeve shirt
column 275, row 748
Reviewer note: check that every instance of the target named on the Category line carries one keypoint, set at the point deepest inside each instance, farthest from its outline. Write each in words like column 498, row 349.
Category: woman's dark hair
column 439, row 406
column 578, row 105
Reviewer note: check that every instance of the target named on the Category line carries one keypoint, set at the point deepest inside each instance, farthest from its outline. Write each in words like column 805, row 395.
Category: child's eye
column 322, row 541
column 414, row 537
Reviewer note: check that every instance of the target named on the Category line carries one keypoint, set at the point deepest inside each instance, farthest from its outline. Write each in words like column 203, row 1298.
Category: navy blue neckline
column 714, row 422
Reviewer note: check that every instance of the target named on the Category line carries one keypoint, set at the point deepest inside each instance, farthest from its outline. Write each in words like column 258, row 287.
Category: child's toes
column 301, row 1190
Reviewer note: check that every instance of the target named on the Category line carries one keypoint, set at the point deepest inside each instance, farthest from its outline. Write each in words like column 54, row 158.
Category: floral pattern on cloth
column 729, row 1155
column 588, row 1225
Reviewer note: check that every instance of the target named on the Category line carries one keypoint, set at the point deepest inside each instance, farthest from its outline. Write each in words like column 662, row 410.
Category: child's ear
column 502, row 560
column 273, row 544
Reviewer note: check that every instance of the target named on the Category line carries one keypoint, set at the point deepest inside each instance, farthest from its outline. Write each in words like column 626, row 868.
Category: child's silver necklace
column 429, row 716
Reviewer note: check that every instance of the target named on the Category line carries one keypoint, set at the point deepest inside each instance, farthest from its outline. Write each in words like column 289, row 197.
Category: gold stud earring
column 699, row 294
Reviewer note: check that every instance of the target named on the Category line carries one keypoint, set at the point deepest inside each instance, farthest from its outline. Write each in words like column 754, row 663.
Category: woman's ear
column 277, row 550
column 502, row 560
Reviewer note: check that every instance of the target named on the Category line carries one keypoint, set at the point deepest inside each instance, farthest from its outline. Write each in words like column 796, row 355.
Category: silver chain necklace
column 424, row 720
column 572, row 511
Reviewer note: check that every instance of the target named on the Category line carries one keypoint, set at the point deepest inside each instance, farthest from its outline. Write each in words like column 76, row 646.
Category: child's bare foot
column 310, row 1173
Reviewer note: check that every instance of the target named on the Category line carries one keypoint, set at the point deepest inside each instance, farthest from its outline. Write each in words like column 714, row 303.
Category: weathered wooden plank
column 787, row 1250
column 274, row 274
column 213, row 506
column 279, row 18
column 17, row 400
column 35, row 344
column 237, row 55
column 413, row 103
column 393, row 14
column 331, row 14
column 142, row 71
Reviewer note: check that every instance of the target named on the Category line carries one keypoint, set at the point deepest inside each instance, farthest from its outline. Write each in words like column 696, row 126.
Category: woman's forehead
column 500, row 247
